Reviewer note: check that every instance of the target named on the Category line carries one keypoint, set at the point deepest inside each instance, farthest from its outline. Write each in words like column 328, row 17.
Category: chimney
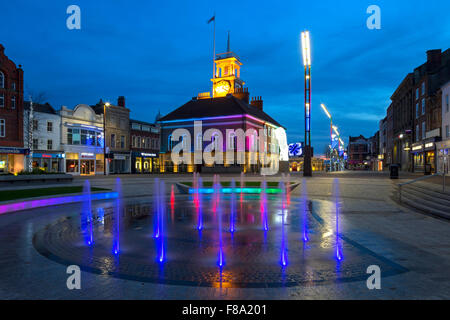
column 242, row 94
column 257, row 102
column 434, row 59
column 2, row 48
column 121, row 101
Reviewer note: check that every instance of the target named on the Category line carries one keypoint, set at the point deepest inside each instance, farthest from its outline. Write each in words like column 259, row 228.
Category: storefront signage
column 48, row 155
column 83, row 126
column 119, row 157
column 417, row 148
column 15, row 150
column 85, row 155
column 429, row 145
column 143, row 154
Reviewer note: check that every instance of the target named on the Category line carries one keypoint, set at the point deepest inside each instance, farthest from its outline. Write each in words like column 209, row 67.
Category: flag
column 212, row 19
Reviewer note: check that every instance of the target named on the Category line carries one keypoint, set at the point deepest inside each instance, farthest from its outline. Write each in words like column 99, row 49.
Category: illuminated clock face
column 222, row 87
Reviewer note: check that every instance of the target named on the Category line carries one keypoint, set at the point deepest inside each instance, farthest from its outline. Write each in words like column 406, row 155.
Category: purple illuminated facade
column 224, row 113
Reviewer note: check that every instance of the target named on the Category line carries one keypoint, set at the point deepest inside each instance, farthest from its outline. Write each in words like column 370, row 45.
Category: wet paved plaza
column 411, row 249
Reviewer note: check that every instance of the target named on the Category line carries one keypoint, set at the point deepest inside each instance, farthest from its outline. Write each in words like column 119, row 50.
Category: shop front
column 119, row 162
column 145, row 162
column 12, row 159
column 424, row 156
column 49, row 161
column 84, row 163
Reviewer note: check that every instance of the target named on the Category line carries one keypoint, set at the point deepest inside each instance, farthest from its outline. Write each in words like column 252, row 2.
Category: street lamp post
column 331, row 131
column 338, row 136
column 107, row 104
column 339, row 150
column 306, row 52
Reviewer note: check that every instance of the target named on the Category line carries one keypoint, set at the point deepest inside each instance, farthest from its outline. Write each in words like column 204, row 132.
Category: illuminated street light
column 306, row 49
column 105, row 105
column 306, row 53
column 335, row 129
column 325, row 110
column 331, row 132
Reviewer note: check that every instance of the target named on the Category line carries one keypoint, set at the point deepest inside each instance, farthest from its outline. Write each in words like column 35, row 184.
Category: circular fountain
column 216, row 235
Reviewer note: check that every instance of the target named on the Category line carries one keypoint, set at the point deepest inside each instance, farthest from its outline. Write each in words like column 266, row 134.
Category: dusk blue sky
column 158, row 54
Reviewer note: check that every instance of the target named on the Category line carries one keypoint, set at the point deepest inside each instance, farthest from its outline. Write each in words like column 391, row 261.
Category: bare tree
column 39, row 97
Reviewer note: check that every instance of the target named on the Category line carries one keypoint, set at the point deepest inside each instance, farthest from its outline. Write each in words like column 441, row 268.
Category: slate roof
column 142, row 122
column 216, row 107
column 37, row 107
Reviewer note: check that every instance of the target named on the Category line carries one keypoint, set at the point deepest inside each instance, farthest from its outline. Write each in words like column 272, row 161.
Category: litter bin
column 427, row 169
column 394, row 168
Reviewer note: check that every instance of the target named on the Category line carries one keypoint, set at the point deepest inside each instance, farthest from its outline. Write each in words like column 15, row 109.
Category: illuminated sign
column 148, row 154
column 87, row 155
column 417, row 148
column 48, row 155
column 14, row 150
column 119, row 157
column 296, row 149
column 429, row 145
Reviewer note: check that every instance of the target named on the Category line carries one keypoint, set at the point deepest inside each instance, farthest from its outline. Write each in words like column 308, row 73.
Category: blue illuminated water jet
column 161, row 211
column 199, row 206
column 233, row 207
column 156, row 208
column 117, row 214
column 338, row 253
column 265, row 223
column 86, row 214
column 304, row 212
column 283, row 255
column 221, row 256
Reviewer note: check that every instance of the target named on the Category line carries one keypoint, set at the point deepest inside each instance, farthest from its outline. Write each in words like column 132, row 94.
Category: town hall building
column 228, row 111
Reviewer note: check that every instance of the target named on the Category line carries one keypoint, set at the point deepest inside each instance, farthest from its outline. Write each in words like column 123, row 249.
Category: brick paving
column 376, row 228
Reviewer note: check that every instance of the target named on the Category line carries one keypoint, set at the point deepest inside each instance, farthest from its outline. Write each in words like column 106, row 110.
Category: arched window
column 2, row 80
column 231, row 141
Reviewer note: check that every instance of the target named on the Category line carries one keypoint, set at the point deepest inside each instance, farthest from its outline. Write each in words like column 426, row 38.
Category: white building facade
column 82, row 140
column 43, row 138
column 443, row 147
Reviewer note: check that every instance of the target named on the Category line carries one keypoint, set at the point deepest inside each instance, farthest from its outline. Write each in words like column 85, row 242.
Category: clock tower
column 227, row 73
